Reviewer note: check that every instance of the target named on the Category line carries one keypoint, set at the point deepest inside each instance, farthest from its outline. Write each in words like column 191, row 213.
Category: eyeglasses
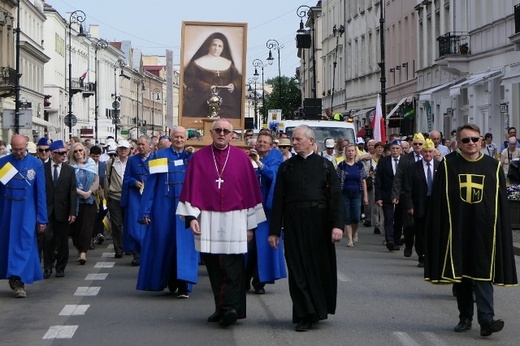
column 78, row 151
column 283, row 147
column 417, row 143
column 220, row 131
column 60, row 152
column 111, row 154
column 41, row 150
column 165, row 137
column 467, row 139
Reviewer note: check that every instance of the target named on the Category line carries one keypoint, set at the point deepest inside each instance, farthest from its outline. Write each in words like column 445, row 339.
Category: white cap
column 329, row 143
column 111, row 149
column 360, row 140
column 123, row 144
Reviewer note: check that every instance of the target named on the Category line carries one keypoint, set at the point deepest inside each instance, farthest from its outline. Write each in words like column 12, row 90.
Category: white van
column 322, row 129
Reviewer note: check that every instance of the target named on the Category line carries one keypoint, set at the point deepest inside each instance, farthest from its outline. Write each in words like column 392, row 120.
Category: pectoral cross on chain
column 219, row 181
column 217, row 73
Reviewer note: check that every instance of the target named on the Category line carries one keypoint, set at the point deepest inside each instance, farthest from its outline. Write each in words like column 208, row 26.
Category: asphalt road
column 382, row 300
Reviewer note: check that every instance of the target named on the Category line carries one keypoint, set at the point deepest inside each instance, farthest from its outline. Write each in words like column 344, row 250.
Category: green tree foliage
column 290, row 99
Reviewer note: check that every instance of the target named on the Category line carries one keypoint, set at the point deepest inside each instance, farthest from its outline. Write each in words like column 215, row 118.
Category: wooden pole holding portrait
column 213, row 66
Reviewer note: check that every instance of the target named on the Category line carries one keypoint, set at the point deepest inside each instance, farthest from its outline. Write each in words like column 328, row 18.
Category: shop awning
column 407, row 99
column 41, row 122
column 427, row 94
column 474, row 80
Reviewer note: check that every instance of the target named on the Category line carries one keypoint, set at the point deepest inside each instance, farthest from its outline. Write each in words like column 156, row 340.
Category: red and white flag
column 83, row 76
column 378, row 124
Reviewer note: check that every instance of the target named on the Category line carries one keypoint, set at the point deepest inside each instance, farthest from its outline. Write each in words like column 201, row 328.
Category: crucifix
column 217, row 73
column 219, row 181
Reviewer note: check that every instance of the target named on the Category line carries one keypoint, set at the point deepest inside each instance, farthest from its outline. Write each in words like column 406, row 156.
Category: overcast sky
column 155, row 25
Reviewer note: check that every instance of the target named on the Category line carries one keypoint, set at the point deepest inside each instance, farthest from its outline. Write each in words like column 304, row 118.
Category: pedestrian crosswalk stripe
column 104, row 265
column 110, row 246
column 434, row 339
column 406, row 339
column 98, row 276
column 74, row 310
column 107, row 254
column 60, row 332
column 87, row 291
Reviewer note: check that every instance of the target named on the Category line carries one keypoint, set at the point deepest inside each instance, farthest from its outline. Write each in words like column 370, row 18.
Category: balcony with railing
column 7, row 81
column 454, row 51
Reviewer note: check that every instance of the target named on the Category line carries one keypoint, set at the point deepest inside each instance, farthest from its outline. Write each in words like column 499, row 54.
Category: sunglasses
column 78, row 151
column 417, row 144
column 220, row 131
column 41, row 150
column 467, row 139
column 283, row 147
column 60, row 152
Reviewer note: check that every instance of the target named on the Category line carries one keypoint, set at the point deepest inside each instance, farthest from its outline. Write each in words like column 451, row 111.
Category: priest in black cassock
column 468, row 238
column 307, row 204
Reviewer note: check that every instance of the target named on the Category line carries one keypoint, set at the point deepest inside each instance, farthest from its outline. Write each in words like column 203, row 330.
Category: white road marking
column 434, row 339
column 110, row 246
column 99, row 276
column 406, row 339
column 342, row 277
column 60, row 332
column 74, row 310
column 87, row 291
column 104, row 265
column 107, row 254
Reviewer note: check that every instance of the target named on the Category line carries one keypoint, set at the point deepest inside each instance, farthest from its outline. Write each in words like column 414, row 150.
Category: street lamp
column 117, row 99
column 18, row 75
column 100, row 44
column 259, row 63
column 302, row 12
column 77, row 17
column 273, row 44
column 381, row 64
column 157, row 92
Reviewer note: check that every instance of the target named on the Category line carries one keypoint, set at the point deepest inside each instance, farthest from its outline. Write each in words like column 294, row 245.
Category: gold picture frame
column 212, row 54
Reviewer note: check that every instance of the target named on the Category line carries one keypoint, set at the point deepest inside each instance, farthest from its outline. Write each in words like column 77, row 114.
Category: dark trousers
column 81, row 231
column 55, row 236
column 226, row 275
column 116, row 223
column 252, row 266
column 484, row 297
column 419, row 229
column 98, row 225
column 393, row 222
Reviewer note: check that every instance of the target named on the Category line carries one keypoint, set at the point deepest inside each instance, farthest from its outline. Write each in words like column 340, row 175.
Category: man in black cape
column 469, row 238
column 307, row 204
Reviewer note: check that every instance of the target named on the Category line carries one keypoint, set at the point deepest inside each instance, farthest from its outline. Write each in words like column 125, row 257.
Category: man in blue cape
column 168, row 256
column 23, row 206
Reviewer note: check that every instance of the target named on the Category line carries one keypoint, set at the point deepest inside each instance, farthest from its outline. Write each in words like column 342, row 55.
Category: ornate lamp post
column 302, row 12
column 273, row 44
column 77, row 17
column 259, row 63
column 338, row 32
column 155, row 92
column 100, row 44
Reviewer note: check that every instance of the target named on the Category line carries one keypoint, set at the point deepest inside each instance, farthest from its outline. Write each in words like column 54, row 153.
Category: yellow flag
column 158, row 166
column 7, row 173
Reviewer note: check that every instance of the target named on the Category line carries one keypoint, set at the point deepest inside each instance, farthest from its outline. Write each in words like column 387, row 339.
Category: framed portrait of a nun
column 213, row 64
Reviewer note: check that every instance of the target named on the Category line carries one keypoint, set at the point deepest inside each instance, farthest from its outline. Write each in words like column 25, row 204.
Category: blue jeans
column 352, row 206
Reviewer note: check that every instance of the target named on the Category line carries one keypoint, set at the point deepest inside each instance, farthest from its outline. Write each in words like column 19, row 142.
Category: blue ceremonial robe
column 271, row 264
column 166, row 241
column 23, row 204
column 136, row 170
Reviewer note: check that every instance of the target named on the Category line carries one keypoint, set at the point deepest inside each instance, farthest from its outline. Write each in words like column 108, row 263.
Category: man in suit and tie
column 416, row 194
column 60, row 183
column 405, row 165
column 385, row 173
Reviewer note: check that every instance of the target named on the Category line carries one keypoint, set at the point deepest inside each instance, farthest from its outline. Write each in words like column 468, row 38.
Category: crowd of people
column 248, row 210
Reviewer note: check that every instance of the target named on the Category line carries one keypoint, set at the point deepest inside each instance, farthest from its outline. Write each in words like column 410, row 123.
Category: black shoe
column 367, row 224
column 304, row 325
column 92, row 246
column 118, row 255
column 60, row 274
column 377, row 230
column 215, row 317
column 228, row 318
column 100, row 238
column 390, row 246
column 492, row 327
column 259, row 291
column 420, row 264
column 136, row 262
column 47, row 274
column 407, row 252
column 396, row 248
column 464, row 325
